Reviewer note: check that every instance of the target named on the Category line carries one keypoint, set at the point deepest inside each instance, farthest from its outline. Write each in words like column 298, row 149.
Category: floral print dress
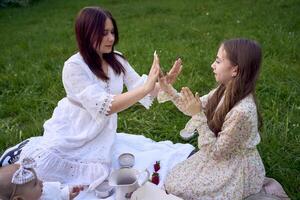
column 225, row 167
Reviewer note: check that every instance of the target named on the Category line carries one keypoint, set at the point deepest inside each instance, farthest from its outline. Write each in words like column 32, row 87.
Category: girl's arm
column 235, row 131
column 173, row 96
column 168, row 93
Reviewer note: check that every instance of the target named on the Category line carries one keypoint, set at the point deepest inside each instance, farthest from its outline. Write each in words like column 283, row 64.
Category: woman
column 78, row 138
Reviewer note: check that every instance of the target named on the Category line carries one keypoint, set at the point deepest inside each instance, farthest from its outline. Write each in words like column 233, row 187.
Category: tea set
column 123, row 181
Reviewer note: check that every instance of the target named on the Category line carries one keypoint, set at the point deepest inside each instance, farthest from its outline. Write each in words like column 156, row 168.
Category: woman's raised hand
column 191, row 104
column 153, row 74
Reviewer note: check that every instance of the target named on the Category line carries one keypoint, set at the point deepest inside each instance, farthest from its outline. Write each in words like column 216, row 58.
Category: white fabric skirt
column 146, row 153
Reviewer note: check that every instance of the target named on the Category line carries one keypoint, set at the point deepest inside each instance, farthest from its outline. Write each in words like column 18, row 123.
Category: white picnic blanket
column 146, row 152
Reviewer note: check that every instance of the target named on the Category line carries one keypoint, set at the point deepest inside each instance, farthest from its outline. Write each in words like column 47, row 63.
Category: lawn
column 36, row 40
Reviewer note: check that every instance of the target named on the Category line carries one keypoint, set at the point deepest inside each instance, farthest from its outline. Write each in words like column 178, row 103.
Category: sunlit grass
column 36, row 40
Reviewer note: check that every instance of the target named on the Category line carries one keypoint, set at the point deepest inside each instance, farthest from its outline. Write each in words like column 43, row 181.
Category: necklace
column 107, row 88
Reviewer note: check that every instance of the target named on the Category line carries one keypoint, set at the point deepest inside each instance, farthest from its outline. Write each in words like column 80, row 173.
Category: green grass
column 36, row 40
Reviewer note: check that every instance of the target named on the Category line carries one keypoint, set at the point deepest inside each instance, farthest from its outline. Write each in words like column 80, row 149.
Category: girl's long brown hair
column 247, row 55
column 89, row 29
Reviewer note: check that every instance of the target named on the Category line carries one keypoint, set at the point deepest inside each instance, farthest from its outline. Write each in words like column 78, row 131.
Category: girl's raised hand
column 191, row 104
column 174, row 72
column 163, row 83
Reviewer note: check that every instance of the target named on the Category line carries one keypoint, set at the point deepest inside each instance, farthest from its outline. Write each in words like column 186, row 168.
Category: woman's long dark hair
column 247, row 55
column 89, row 29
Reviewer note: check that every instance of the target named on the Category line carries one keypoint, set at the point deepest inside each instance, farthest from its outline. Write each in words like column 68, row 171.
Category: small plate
column 126, row 160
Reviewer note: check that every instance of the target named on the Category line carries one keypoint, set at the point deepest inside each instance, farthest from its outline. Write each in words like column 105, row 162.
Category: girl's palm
column 191, row 104
column 174, row 72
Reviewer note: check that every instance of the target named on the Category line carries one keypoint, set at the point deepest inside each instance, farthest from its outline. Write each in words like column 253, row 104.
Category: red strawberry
column 156, row 166
column 155, row 178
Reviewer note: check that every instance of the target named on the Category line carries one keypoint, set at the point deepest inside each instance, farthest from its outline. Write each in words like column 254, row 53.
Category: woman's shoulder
column 75, row 65
column 120, row 57
column 118, row 53
column 76, row 59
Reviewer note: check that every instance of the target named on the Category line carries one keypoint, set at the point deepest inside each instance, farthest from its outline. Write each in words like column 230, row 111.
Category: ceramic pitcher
column 125, row 181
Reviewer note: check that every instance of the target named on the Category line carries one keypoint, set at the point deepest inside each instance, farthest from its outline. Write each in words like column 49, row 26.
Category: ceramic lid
column 126, row 160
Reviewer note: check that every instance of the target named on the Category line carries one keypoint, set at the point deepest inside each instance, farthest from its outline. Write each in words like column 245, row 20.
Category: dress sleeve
column 81, row 88
column 235, row 131
column 174, row 96
column 133, row 80
column 163, row 96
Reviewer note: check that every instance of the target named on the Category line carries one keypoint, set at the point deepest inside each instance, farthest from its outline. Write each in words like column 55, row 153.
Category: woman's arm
column 127, row 99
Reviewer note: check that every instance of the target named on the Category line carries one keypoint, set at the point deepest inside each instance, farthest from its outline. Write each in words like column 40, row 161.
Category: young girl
column 227, row 165
column 19, row 182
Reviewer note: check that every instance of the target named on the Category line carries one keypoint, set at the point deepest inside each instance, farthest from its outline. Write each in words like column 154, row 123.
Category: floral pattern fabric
column 225, row 167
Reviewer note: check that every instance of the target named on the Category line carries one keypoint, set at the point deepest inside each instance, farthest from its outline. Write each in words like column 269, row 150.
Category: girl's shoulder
column 246, row 106
column 247, row 103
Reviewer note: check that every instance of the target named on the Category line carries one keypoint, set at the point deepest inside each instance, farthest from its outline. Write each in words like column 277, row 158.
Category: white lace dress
column 225, row 167
column 78, row 138
column 55, row 191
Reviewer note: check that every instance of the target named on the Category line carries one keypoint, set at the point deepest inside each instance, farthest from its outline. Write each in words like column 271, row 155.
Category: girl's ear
column 235, row 71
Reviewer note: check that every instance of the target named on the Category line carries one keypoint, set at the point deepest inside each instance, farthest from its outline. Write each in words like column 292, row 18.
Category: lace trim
column 148, row 99
column 192, row 125
column 52, row 167
column 174, row 97
column 163, row 96
column 106, row 105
